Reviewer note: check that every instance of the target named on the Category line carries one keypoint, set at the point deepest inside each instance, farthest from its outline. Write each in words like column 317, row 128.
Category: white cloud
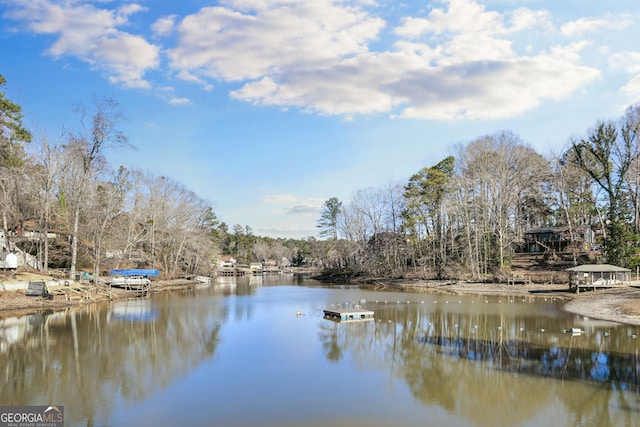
column 278, row 198
column 347, row 88
column 164, row 26
column 524, row 19
column 456, row 61
column 306, row 207
column 472, row 73
column 188, row 77
column 92, row 35
column 179, row 101
column 129, row 9
column 582, row 26
column 277, row 37
column 493, row 90
column 293, row 206
column 632, row 89
column 461, row 16
column 629, row 62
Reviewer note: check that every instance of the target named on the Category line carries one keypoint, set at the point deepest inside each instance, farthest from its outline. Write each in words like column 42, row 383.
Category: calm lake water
column 257, row 352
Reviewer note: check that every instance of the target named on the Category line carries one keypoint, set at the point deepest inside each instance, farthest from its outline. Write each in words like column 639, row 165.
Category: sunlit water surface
column 258, row 352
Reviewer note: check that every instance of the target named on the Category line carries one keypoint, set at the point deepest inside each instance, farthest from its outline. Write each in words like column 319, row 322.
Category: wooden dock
column 231, row 272
column 599, row 284
column 348, row 315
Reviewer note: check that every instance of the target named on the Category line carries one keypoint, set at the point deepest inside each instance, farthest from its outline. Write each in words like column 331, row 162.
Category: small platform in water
column 348, row 315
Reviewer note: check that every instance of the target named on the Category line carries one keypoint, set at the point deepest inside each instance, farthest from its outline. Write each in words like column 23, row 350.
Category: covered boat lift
column 135, row 278
column 594, row 276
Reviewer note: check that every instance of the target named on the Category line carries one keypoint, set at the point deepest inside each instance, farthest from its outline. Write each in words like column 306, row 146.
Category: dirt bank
column 620, row 305
column 17, row 303
column 462, row 287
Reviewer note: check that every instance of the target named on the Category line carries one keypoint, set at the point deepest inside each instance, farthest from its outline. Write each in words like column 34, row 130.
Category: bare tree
column 46, row 172
column 573, row 200
column 177, row 225
column 105, row 204
column 394, row 204
column 261, row 250
column 500, row 171
column 468, row 232
column 630, row 125
column 86, row 148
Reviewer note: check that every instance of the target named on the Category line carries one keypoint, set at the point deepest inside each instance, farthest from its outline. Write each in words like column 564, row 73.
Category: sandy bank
column 620, row 305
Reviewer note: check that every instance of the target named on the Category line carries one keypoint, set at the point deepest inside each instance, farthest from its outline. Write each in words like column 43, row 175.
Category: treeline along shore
column 468, row 218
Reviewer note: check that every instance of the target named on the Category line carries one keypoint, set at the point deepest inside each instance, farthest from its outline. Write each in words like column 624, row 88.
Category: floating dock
column 348, row 315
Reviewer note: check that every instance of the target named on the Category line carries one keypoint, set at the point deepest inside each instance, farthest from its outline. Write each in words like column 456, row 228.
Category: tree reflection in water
column 89, row 356
column 486, row 365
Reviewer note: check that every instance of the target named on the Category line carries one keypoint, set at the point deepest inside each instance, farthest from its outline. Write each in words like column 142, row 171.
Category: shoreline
column 15, row 303
column 620, row 305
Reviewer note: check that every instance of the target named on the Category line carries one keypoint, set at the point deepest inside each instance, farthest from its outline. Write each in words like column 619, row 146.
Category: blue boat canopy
column 135, row 272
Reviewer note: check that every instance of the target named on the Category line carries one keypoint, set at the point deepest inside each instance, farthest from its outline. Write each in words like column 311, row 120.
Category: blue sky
column 267, row 108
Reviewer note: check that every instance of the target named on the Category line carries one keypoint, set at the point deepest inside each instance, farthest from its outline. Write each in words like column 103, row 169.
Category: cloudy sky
column 267, row 108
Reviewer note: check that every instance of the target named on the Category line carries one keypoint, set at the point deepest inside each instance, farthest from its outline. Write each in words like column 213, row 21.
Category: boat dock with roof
column 597, row 276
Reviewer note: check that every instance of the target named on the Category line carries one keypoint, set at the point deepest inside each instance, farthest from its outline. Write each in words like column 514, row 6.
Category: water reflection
column 263, row 344
column 138, row 310
column 90, row 357
column 484, row 361
column 601, row 352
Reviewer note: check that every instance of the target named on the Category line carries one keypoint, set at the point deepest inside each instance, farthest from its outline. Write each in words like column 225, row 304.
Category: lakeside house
column 559, row 239
column 12, row 257
column 226, row 261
